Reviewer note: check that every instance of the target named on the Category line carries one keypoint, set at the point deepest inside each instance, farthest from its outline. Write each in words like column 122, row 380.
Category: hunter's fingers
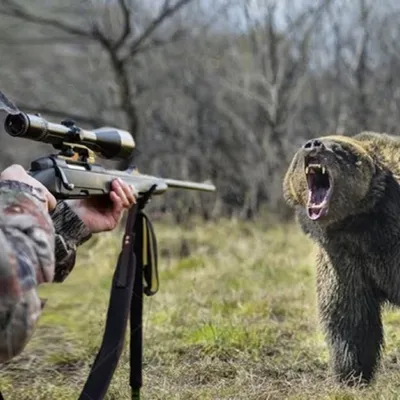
column 130, row 193
column 118, row 206
column 118, row 187
column 51, row 201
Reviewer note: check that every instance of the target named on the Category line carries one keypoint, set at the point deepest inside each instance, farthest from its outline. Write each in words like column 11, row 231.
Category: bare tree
column 121, row 46
column 267, row 77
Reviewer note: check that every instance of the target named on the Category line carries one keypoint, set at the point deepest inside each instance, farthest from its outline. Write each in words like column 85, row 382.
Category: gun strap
column 150, row 260
column 111, row 348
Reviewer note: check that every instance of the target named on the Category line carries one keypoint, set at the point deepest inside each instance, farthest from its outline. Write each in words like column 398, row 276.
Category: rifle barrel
column 205, row 187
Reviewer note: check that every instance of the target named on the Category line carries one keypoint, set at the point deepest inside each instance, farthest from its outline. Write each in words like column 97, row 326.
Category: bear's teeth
column 312, row 168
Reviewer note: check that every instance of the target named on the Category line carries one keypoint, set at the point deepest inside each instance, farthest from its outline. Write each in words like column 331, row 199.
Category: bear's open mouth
column 319, row 189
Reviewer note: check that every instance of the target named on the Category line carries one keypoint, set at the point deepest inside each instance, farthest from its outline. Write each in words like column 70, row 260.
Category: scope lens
column 15, row 124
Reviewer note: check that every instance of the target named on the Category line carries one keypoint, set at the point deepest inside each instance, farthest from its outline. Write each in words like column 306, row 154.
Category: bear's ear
column 291, row 197
column 385, row 148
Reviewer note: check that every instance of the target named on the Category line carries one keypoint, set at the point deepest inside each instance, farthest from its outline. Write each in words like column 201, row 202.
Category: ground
column 235, row 318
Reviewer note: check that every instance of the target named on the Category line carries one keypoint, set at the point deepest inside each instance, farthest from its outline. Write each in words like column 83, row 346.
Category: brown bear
column 346, row 195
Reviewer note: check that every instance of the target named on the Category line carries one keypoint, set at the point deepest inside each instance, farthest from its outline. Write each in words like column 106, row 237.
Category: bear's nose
column 313, row 144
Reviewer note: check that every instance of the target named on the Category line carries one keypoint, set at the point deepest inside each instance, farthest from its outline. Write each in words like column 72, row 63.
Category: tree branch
column 156, row 43
column 166, row 12
column 18, row 11
column 127, row 25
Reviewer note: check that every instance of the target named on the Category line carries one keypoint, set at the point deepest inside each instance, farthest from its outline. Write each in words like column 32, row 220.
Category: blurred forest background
column 222, row 90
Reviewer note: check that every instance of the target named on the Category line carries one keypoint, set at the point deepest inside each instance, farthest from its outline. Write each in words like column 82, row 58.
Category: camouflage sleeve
column 26, row 261
column 71, row 232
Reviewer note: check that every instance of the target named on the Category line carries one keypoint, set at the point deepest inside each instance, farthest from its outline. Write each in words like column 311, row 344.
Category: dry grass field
column 235, row 318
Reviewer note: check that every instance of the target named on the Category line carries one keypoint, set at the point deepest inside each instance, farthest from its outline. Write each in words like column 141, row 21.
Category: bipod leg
column 136, row 319
column 136, row 316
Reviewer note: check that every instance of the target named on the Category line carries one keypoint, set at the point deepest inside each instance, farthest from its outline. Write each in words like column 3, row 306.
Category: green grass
column 235, row 318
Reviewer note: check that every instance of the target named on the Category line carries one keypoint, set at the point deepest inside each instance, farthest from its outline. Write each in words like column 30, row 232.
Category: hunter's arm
column 26, row 261
column 71, row 232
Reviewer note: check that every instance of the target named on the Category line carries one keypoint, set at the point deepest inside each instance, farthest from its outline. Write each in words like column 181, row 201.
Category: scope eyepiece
column 16, row 124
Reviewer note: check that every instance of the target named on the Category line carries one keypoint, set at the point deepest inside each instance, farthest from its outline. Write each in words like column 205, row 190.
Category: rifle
column 72, row 173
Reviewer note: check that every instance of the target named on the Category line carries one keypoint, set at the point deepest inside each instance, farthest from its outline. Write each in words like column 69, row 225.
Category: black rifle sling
column 117, row 315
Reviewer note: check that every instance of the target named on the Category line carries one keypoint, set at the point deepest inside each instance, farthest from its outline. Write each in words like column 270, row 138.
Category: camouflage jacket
column 36, row 247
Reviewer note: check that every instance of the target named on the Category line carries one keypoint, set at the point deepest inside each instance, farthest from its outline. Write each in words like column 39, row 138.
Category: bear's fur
column 358, row 241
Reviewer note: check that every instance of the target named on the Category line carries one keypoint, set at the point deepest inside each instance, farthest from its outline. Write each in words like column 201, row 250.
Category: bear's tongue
column 318, row 189
column 316, row 210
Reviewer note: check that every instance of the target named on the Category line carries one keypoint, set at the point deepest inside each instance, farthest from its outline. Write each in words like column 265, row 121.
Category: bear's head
column 331, row 177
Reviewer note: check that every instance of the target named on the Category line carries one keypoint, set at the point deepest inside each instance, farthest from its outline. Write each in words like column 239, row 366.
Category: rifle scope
column 106, row 142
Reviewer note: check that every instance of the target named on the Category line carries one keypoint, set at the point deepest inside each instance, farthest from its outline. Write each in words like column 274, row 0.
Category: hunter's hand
column 104, row 215
column 17, row 173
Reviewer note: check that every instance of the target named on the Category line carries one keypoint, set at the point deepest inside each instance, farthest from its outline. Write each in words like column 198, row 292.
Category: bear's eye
column 336, row 147
column 344, row 155
column 339, row 151
column 351, row 158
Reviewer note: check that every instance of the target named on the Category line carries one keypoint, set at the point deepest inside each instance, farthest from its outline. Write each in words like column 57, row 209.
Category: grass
column 235, row 318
